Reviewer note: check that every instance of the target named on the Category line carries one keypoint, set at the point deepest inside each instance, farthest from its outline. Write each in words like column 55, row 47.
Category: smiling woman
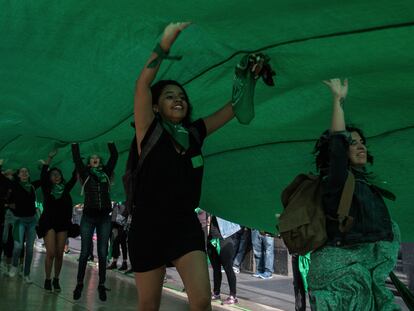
column 349, row 272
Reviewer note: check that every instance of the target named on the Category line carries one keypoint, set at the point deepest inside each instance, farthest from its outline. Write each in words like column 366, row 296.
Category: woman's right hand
column 171, row 33
column 338, row 90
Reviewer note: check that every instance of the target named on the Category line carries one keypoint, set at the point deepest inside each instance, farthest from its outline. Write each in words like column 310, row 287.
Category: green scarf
column 26, row 185
column 178, row 132
column 57, row 190
column 98, row 172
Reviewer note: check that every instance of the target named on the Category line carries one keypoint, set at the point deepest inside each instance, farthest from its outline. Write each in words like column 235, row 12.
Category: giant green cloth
column 68, row 70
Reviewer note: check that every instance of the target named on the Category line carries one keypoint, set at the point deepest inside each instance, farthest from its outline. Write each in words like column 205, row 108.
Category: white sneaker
column 236, row 270
column 27, row 279
column 13, row 271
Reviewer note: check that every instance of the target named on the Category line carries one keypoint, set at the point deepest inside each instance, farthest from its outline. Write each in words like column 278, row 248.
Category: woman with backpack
column 349, row 272
column 56, row 219
column 95, row 178
column 165, row 229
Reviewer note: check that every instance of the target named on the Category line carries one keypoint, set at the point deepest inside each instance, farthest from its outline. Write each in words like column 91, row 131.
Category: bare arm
column 219, row 118
column 339, row 92
column 143, row 113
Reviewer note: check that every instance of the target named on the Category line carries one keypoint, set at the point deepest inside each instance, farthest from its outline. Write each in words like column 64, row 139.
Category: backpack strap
column 195, row 134
column 152, row 140
column 346, row 221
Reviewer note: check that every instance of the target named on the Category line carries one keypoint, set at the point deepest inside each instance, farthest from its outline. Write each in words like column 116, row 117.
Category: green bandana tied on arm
column 250, row 68
column 57, row 190
column 161, row 55
column 178, row 132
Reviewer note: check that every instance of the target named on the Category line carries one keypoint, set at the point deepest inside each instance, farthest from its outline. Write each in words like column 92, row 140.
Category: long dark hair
column 321, row 149
column 156, row 90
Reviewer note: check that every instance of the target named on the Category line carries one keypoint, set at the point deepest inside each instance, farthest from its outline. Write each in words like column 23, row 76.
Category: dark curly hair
column 321, row 149
column 156, row 90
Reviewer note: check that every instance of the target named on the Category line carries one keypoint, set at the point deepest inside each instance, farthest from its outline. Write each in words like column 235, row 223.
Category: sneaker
column 67, row 251
column 27, row 279
column 48, row 285
column 13, row 271
column 222, row 270
column 236, row 270
column 215, row 297
column 102, row 292
column 266, row 275
column 231, row 300
column 112, row 266
column 56, row 285
column 256, row 275
column 77, row 292
column 124, row 266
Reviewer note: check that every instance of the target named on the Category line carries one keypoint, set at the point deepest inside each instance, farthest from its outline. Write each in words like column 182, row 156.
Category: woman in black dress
column 165, row 229
column 56, row 218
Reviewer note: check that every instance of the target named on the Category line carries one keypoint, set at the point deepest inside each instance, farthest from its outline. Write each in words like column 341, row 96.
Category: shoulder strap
column 195, row 134
column 346, row 221
column 152, row 140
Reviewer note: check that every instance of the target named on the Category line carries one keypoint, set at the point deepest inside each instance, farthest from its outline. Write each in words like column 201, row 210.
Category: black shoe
column 112, row 266
column 124, row 266
column 102, row 292
column 56, row 285
column 77, row 292
column 48, row 285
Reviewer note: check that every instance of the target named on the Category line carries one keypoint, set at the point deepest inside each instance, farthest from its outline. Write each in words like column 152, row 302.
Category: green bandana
column 216, row 244
column 178, row 132
column 161, row 55
column 98, row 172
column 26, row 185
column 57, row 190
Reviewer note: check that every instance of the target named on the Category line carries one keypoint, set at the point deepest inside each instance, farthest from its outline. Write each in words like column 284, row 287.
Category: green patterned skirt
column 353, row 277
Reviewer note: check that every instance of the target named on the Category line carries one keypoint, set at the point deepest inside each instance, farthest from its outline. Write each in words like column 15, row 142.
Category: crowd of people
column 165, row 168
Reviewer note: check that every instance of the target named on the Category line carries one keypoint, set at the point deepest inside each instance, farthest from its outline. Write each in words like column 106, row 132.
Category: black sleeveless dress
column 164, row 225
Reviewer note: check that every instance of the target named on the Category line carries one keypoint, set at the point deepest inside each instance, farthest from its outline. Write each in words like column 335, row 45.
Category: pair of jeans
column 120, row 240
column 88, row 224
column 241, row 239
column 24, row 231
column 263, row 249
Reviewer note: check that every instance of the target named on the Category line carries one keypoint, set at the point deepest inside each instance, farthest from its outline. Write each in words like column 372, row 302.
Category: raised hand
column 338, row 90
column 1, row 162
column 171, row 33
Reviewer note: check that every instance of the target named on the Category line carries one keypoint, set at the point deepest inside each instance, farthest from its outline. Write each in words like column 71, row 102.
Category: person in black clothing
column 56, row 218
column 5, row 220
column 349, row 272
column 119, row 237
column 24, row 193
column 221, row 250
column 169, row 186
column 95, row 178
